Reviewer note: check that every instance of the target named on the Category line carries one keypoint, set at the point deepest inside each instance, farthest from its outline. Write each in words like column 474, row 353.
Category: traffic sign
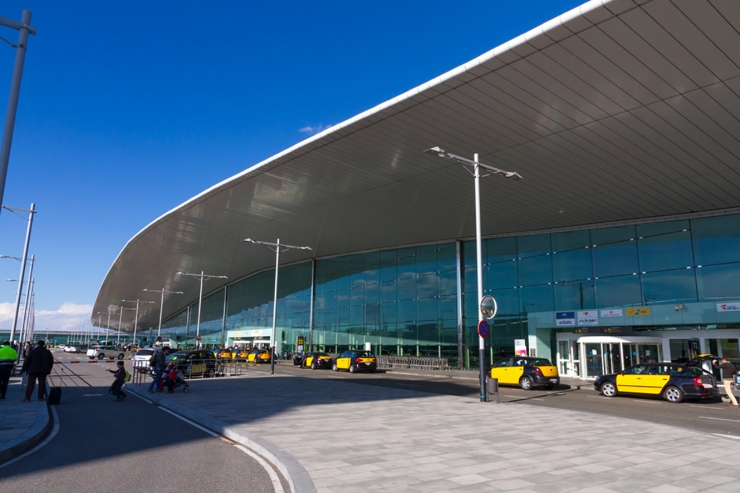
column 484, row 330
column 159, row 338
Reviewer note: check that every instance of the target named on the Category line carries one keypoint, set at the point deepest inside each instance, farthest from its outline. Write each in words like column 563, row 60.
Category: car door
column 343, row 361
column 516, row 370
column 500, row 369
column 654, row 379
column 630, row 380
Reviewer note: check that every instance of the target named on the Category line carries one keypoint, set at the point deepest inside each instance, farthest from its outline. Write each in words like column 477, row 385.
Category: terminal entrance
column 593, row 356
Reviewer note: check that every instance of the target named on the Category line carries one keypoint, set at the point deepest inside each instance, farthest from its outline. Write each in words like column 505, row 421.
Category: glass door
column 612, row 358
column 594, row 360
column 569, row 364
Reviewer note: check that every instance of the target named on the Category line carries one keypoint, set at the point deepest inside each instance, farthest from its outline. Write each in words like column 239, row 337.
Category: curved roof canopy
column 618, row 110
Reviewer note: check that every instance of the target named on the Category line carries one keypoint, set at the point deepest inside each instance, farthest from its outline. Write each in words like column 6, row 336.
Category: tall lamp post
column 24, row 28
column 120, row 319
column 163, row 291
column 275, row 247
column 136, row 316
column 31, row 212
column 436, row 151
column 202, row 276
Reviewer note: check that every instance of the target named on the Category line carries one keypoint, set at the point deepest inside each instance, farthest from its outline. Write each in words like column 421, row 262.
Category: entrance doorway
column 603, row 355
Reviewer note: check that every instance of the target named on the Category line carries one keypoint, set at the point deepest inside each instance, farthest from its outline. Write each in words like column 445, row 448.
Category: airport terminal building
column 621, row 244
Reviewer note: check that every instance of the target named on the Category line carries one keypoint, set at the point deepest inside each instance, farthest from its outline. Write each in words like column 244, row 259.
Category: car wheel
column 100, row 356
column 334, row 367
column 525, row 383
column 608, row 389
column 673, row 394
column 313, row 365
column 352, row 368
column 121, row 356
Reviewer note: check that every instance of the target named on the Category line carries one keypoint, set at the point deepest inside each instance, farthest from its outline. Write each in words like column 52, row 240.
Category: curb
column 30, row 438
column 298, row 478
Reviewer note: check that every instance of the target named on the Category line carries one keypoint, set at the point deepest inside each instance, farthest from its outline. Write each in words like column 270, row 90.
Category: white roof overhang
column 618, row 110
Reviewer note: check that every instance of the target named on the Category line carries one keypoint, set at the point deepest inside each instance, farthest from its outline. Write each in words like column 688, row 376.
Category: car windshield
column 144, row 352
column 177, row 356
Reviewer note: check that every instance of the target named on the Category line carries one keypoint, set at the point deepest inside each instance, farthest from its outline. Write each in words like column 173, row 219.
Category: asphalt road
column 702, row 416
column 102, row 445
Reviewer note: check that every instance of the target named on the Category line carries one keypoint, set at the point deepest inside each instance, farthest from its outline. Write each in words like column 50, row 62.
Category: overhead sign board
column 643, row 311
column 565, row 319
column 588, row 318
column 612, row 313
column 728, row 307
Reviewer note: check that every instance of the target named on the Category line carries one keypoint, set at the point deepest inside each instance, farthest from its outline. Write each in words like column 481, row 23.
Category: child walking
column 120, row 375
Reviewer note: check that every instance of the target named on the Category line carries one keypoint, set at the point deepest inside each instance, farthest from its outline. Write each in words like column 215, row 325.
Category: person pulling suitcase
column 37, row 365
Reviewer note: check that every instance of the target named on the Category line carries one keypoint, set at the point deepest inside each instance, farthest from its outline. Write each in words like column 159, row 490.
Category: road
column 707, row 417
column 102, row 445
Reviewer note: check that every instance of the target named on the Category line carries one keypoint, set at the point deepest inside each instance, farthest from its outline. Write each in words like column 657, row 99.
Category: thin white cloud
column 66, row 317
column 310, row 129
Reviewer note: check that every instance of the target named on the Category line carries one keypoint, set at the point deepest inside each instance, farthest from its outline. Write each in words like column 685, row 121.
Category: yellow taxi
column 258, row 356
column 525, row 372
column 675, row 382
column 356, row 360
column 317, row 360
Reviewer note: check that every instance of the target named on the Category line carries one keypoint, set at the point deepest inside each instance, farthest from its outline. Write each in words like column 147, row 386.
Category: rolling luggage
column 55, row 396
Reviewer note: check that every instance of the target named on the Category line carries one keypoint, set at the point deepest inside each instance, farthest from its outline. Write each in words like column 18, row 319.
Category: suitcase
column 55, row 396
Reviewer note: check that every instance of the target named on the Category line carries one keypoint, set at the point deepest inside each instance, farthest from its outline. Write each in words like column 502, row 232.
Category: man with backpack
column 159, row 364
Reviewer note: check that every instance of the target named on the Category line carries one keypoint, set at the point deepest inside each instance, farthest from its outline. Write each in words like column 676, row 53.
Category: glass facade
column 422, row 300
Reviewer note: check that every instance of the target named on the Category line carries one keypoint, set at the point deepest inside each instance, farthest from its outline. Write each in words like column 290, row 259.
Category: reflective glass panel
column 614, row 251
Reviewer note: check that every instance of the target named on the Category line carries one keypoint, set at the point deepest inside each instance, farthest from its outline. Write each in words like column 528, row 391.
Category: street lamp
column 202, row 276
column 120, row 319
column 136, row 316
column 275, row 247
column 161, row 304
column 436, row 151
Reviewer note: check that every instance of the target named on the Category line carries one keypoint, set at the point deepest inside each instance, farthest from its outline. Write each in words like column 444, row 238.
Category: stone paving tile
column 666, row 488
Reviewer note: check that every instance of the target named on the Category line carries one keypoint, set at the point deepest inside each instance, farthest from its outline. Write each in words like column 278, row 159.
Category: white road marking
column 41, row 445
column 732, row 437
column 721, row 419
column 192, row 423
column 706, row 407
column 267, row 466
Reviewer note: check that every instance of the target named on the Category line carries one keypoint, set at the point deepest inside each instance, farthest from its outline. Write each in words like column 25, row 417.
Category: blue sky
column 128, row 109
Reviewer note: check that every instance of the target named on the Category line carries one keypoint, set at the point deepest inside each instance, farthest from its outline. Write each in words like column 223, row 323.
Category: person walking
column 8, row 357
column 160, row 365
column 728, row 375
column 37, row 365
column 120, row 375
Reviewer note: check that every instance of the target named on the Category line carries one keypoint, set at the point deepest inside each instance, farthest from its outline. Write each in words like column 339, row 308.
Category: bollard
column 492, row 388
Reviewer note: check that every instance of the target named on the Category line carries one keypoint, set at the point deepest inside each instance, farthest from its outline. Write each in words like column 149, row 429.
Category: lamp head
column 513, row 175
column 436, row 151
column 249, row 240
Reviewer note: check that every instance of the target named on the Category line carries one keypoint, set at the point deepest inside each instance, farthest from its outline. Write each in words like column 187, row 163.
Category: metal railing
column 192, row 369
column 413, row 363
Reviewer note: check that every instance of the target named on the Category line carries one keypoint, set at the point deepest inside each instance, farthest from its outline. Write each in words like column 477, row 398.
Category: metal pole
column 15, row 90
column 120, row 318
column 200, row 301
column 25, row 324
column 274, row 310
column 161, row 307
column 107, row 328
column 479, row 261
column 28, row 297
column 136, row 320
column 23, row 270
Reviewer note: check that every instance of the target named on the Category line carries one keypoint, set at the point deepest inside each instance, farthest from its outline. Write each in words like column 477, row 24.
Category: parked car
column 525, row 372
column 317, row 360
column 71, row 348
column 141, row 359
column 197, row 362
column 675, row 382
column 356, row 360
column 102, row 352
column 258, row 356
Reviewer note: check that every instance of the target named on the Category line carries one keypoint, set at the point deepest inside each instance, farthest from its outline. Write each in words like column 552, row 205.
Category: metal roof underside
column 615, row 111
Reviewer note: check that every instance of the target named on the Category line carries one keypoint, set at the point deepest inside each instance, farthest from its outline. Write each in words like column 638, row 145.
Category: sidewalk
column 23, row 425
column 333, row 435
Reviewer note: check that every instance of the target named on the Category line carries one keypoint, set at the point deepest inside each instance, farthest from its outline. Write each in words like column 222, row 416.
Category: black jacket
column 728, row 370
column 39, row 361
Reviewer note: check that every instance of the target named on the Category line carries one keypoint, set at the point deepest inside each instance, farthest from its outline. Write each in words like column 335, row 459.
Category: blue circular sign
column 159, row 338
column 484, row 329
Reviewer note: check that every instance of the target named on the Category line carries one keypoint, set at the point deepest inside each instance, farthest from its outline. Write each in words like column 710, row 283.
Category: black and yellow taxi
column 525, row 372
column 675, row 382
column 258, row 356
column 317, row 360
column 198, row 363
column 356, row 360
